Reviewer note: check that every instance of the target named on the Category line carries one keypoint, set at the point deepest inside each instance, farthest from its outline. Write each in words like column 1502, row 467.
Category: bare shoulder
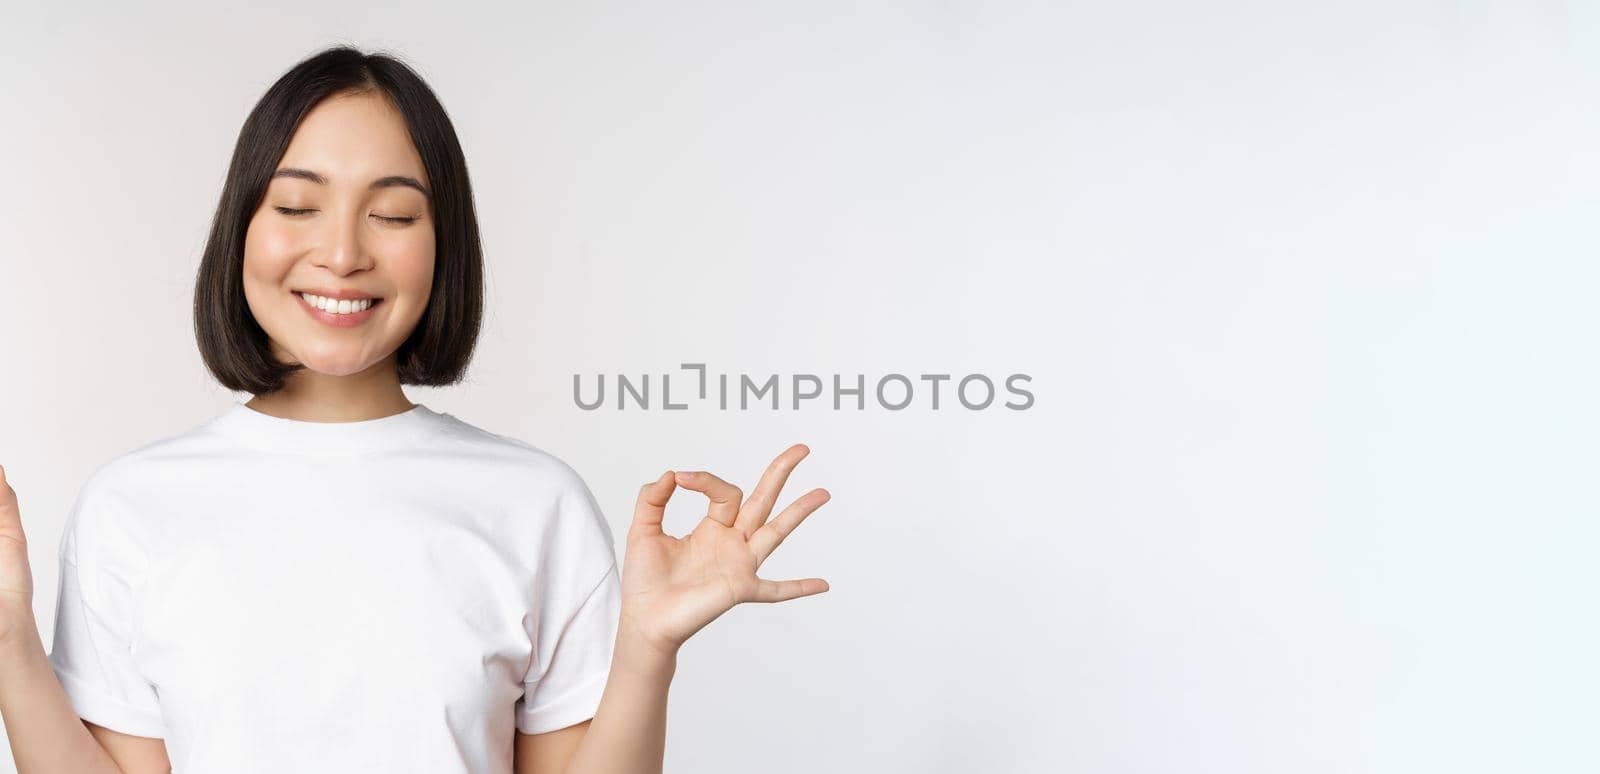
column 549, row 752
column 132, row 754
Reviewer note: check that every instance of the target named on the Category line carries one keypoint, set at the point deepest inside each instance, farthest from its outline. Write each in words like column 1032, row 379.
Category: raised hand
column 16, row 578
column 672, row 587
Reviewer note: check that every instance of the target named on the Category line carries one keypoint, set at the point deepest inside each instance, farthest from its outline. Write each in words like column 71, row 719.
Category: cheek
column 412, row 266
column 268, row 250
column 268, row 259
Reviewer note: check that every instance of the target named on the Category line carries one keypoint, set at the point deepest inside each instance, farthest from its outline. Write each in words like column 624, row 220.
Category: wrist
column 638, row 652
column 20, row 636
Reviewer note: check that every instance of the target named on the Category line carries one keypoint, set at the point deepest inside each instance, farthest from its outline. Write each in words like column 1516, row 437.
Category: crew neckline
column 301, row 436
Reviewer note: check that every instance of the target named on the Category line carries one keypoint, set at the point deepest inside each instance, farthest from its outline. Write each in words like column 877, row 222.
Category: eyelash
column 291, row 212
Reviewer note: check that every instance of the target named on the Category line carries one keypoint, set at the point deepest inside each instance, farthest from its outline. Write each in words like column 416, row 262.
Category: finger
column 768, row 538
column 755, row 510
column 652, row 505
column 724, row 496
column 10, row 519
column 785, row 590
column 7, row 499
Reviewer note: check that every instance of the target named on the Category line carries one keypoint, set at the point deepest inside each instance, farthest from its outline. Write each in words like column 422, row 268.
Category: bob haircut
column 232, row 343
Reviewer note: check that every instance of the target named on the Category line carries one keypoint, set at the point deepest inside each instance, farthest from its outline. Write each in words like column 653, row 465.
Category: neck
column 315, row 397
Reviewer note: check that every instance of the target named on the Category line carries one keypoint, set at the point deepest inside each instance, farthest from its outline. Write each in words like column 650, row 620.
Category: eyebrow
column 382, row 182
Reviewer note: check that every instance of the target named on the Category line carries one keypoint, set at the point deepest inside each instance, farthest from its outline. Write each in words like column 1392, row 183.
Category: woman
column 329, row 577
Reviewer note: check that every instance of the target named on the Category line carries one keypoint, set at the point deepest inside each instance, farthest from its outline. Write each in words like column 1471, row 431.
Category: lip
column 337, row 320
column 337, row 295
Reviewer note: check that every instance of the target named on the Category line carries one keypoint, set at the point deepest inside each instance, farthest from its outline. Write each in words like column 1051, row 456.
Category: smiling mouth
column 333, row 306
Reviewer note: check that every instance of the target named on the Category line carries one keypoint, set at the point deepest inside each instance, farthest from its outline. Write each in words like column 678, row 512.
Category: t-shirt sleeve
column 577, row 622
column 92, row 653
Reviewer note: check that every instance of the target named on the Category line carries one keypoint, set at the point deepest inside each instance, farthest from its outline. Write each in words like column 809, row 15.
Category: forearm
column 629, row 731
column 46, row 734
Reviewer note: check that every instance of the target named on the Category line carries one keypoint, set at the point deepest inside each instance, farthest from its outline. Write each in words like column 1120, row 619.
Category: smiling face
column 341, row 219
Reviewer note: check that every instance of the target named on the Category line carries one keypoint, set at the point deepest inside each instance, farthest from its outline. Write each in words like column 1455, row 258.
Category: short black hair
column 232, row 343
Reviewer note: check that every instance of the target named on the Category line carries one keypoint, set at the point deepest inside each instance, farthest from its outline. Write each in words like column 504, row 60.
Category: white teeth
column 332, row 306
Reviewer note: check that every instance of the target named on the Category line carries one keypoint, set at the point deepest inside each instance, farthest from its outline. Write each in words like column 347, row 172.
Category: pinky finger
column 785, row 590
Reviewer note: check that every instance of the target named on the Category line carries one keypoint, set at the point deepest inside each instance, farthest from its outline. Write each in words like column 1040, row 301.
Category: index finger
column 723, row 495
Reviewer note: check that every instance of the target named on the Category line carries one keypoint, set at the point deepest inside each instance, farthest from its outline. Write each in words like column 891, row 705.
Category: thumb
column 652, row 505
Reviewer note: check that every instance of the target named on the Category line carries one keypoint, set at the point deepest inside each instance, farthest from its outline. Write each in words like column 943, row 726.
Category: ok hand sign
column 672, row 587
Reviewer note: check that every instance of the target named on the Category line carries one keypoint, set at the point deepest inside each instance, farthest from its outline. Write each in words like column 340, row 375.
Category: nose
column 343, row 251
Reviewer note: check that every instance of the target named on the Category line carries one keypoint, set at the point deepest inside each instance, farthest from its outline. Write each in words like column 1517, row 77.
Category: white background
column 1307, row 294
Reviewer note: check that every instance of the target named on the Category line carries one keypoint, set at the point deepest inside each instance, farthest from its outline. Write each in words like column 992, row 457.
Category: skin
column 341, row 240
column 672, row 586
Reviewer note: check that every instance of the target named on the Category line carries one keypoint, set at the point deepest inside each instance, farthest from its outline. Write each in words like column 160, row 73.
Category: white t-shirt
column 390, row 595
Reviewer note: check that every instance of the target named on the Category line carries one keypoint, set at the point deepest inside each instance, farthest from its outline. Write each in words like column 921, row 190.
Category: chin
column 335, row 366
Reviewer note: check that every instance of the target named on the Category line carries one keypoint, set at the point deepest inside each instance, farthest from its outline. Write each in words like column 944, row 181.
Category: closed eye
column 292, row 212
